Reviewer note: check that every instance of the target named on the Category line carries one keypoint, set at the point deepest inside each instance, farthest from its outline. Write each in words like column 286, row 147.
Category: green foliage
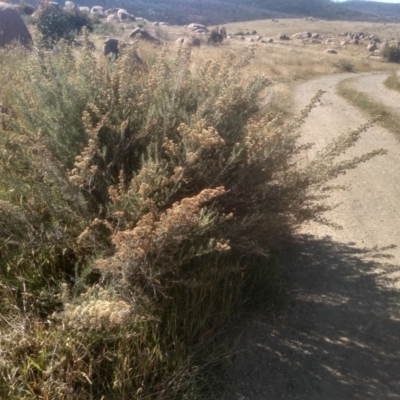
column 54, row 23
column 344, row 65
column 27, row 8
column 217, row 35
column 392, row 54
column 137, row 203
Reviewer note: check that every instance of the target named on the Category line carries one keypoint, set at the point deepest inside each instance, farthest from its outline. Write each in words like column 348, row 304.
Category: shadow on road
column 341, row 337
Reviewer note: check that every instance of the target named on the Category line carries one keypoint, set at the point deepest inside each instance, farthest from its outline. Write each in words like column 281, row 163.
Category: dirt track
column 341, row 338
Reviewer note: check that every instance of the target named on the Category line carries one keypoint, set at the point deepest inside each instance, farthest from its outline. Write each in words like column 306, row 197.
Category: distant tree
column 54, row 23
column 392, row 54
column 217, row 35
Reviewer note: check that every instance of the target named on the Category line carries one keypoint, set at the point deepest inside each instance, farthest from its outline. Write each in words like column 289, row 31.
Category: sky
column 384, row 1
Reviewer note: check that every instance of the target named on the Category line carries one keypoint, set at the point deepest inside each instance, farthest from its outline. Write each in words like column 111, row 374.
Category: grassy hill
column 214, row 12
column 385, row 10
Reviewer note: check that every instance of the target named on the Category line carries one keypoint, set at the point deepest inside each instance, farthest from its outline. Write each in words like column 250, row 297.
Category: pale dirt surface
column 340, row 339
column 373, row 86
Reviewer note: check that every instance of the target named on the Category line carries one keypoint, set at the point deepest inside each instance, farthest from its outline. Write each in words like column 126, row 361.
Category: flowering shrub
column 130, row 200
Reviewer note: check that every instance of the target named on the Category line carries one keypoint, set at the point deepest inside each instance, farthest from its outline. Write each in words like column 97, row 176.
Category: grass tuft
column 373, row 108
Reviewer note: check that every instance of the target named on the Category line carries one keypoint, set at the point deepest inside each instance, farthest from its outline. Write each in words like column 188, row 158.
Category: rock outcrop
column 12, row 26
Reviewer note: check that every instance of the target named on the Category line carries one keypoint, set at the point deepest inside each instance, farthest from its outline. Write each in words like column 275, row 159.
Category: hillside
column 385, row 10
column 212, row 12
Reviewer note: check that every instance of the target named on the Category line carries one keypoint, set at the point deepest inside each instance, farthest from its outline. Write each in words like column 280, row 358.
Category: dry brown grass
column 286, row 62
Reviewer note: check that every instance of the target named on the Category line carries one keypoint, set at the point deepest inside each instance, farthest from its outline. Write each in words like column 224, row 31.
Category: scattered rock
column 143, row 34
column 194, row 41
column 12, row 26
column 112, row 11
column 195, row 27
column 98, row 10
column 330, row 51
column 123, row 15
column 69, row 5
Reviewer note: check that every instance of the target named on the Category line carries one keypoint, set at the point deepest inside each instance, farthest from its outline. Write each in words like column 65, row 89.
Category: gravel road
column 340, row 339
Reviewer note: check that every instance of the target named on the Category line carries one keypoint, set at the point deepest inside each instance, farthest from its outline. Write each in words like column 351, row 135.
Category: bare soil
column 340, row 337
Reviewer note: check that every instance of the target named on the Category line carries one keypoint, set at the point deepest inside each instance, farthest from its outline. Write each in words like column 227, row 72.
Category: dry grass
column 373, row 108
column 393, row 81
column 287, row 63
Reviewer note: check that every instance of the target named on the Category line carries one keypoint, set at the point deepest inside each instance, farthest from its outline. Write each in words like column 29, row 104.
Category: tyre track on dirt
column 340, row 338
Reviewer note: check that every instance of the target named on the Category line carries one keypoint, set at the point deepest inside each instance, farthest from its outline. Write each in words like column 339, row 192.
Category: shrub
column 217, row 35
column 27, row 8
column 392, row 54
column 54, row 23
column 344, row 65
column 133, row 203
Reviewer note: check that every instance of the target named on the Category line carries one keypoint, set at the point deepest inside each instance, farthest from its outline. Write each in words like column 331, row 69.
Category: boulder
column 143, row 34
column 372, row 47
column 193, row 42
column 12, row 26
column 164, row 23
column 98, row 10
column 111, row 47
column 111, row 18
column 112, row 11
column 123, row 15
column 382, row 49
column 52, row 4
column 194, row 26
column 85, row 10
column 330, row 51
column 283, row 36
column 69, row 5
column 305, row 35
